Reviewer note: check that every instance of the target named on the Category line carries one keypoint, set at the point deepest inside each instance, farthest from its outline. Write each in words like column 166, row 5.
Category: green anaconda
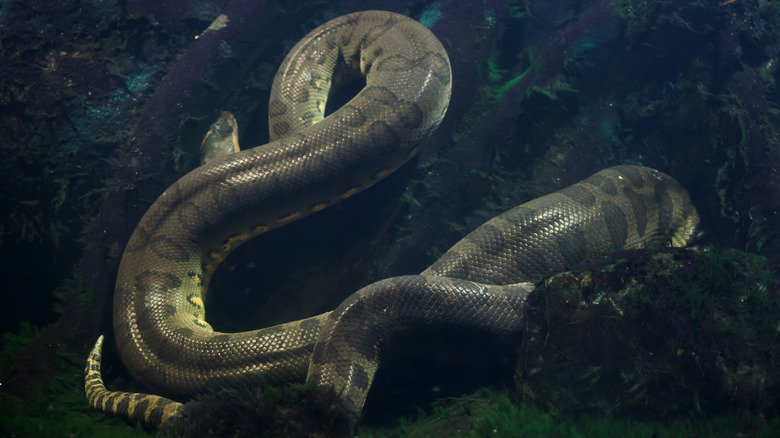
column 313, row 162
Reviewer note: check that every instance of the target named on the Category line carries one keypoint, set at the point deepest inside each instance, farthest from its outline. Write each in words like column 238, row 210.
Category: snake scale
column 313, row 162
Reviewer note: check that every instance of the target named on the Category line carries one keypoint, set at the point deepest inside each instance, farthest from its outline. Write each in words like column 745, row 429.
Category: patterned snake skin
column 482, row 282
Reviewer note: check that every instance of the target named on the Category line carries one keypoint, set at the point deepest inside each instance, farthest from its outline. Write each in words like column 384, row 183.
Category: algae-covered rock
column 653, row 334
column 286, row 411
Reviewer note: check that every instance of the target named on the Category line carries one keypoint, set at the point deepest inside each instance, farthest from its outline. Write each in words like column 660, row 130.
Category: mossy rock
column 653, row 334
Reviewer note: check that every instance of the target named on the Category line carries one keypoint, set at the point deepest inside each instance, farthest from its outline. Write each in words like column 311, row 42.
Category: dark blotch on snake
column 168, row 249
column 380, row 95
column 319, row 58
column 366, row 350
column 580, row 195
column 617, row 224
column 410, row 115
column 99, row 399
column 360, row 377
column 122, row 407
column 310, row 325
column 345, row 39
column 184, row 332
column 574, row 247
column 276, row 108
column 167, row 350
column 156, row 280
column 383, row 138
column 639, row 208
column 110, row 401
column 301, row 95
column 315, row 81
column 374, row 33
column 666, row 209
column 281, row 129
column 355, row 117
column 324, row 351
column 307, row 118
column 440, row 63
column 604, row 183
column 142, row 406
column 494, row 237
column 155, row 416
column 634, row 175
column 140, row 240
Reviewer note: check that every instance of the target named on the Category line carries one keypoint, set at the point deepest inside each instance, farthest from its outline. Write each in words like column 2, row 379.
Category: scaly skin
column 159, row 319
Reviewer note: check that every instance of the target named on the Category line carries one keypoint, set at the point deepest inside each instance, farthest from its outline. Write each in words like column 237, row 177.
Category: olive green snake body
column 313, row 162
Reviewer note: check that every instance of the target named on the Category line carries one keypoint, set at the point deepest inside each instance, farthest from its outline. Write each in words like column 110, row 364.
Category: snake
column 313, row 162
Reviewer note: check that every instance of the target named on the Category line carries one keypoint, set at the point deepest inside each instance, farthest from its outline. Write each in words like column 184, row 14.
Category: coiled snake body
column 159, row 318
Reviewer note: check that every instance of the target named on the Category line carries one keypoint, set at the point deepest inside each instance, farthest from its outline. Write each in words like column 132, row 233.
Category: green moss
column 57, row 408
column 490, row 413
column 517, row 9
column 512, row 83
column 13, row 344
column 284, row 411
column 225, row 51
column 71, row 290
column 693, row 299
column 739, row 277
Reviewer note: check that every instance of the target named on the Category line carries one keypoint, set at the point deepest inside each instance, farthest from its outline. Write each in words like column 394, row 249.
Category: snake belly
column 312, row 162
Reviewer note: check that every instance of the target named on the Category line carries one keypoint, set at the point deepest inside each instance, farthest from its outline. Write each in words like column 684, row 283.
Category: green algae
column 491, row 413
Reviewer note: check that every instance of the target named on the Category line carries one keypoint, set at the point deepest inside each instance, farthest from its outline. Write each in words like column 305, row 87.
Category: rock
column 655, row 333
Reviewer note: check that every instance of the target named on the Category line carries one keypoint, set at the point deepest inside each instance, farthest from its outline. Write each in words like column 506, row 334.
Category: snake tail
column 151, row 410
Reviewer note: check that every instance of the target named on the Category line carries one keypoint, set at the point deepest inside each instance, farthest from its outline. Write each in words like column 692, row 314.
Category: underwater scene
column 623, row 156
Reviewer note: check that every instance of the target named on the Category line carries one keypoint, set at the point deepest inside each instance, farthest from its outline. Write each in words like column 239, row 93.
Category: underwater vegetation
column 495, row 413
column 653, row 334
column 294, row 411
column 104, row 104
column 54, row 406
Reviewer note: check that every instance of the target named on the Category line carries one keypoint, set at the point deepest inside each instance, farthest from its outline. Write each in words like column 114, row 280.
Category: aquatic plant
column 491, row 413
column 266, row 410
column 52, row 407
